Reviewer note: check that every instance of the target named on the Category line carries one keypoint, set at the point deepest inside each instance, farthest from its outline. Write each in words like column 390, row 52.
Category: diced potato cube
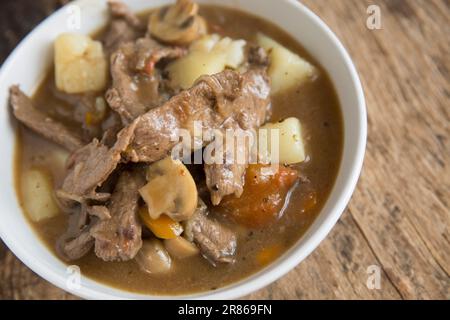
column 290, row 144
column 185, row 71
column 208, row 55
column 37, row 195
column 59, row 158
column 286, row 69
column 80, row 64
column 233, row 49
column 205, row 43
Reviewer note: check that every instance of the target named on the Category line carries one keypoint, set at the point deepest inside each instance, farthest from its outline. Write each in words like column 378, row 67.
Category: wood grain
column 399, row 216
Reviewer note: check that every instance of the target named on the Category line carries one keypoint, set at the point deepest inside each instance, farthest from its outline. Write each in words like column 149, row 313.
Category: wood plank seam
column 375, row 255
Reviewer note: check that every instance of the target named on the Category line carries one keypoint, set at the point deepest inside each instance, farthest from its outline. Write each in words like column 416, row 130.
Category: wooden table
column 399, row 216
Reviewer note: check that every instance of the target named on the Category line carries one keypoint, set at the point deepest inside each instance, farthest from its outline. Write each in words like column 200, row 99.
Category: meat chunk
column 90, row 166
column 227, row 177
column 119, row 10
column 257, row 56
column 123, row 27
column 136, row 82
column 87, row 109
column 113, row 230
column 217, row 243
column 119, row 238
column 79, row 246
column 243, row 98
column 110, row 128
column 41, row 123
column 77, row 240
column 101, row 212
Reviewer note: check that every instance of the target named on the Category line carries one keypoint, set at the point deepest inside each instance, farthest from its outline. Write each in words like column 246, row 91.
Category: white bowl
column 30, row 60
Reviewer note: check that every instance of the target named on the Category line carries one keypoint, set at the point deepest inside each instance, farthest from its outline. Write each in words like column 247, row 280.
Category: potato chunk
column 58, row 158
column 286, row 69
column 208, row 55
column 80, row 64
column 37, row 195
column 290, row 144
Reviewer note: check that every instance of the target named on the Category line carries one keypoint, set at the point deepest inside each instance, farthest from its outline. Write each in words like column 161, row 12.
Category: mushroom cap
column 170, row 190
column 178, row 24
column 153, row 258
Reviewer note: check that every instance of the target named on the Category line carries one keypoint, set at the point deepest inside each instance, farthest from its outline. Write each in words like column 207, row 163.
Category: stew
column 95, row 170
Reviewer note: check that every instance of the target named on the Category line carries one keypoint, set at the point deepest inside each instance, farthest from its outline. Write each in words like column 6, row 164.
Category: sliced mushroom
column 181, row 248
column 178, row 24
column 153, row 258
column 171, row 190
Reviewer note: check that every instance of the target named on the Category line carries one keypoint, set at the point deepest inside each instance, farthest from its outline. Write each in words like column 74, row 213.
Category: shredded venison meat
column 78, row 109
column 120, row 10
column 123, row 27
column 136, row 85
column 244, row 98
column 216, row 242
column 119, row 238
column 90, row 166
column 101, row 212
column 41, row 123
column 77, row 240
column 227, row 177
column 114, row 230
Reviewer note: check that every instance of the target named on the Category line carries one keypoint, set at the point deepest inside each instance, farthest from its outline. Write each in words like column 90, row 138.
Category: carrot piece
column 263, row 197
column 164, row 227
column 268, row 254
